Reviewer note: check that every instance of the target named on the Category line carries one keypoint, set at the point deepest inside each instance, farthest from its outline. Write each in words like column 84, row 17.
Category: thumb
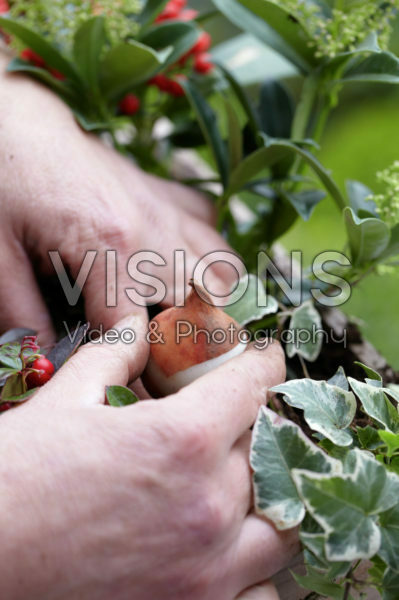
column 20, row 299
column 117, row 358
column 264, row 591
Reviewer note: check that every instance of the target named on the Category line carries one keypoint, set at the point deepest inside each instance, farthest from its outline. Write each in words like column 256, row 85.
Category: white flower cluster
column 388, row 202
column 351, row 21
column 60, row 19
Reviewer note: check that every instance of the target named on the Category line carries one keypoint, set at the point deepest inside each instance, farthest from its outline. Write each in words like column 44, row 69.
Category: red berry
column 43, row 373
column 175, row 88
column 188, row 15
column 31, row 56
column 57, row 74
column 203, row 64
column 171, row 11
column 4, row 7
column 4, row 407
column 129, row 105
column 203, row 44
column 161, row 82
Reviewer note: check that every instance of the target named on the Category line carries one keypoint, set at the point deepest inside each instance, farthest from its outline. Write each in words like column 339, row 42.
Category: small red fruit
column 57, row 74
column 129, row 105
column 4, row 407
column 203, row 44
column 188, row 15
column 32, row 57
column 203, row 64
column 171, row 11
column 175, row 88
column 160, row 81
column 4, row 7
column 44, row 370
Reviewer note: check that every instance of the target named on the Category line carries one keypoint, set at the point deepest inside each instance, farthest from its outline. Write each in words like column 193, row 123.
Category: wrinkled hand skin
column 62, row 189
column 148, row 502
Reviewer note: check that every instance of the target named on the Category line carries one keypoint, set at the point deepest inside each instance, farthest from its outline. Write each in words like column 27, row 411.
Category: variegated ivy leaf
column 250, row 302
column 279, row 446
column 376, row 404
column 389, row 524
column 313, row 539
column 328, row 409
column 347, row 506
column 317, row 582
column 339, row 379
column 305, row 333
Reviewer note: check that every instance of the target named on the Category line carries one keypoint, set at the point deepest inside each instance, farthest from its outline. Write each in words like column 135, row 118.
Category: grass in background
column 360, row 141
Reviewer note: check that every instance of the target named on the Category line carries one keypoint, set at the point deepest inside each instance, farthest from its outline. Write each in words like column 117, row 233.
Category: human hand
column 62, row 189
column 147, row 502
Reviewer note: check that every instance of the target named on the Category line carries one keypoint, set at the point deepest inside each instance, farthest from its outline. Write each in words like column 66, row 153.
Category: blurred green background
column 361, row 139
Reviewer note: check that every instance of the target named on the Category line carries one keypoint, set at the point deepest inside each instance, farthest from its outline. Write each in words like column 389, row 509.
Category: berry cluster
column 37, row 61
column 197, row 58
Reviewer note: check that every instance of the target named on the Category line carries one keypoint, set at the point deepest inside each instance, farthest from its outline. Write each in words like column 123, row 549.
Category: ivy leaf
column 339, row 379
column 278, row 447
column 372, row 375
column 313, row 538
column 317, row 582
column 389, row 524
column 368, row 238
column 118, row 396
column 254, row 303
column 347, row 506
column 369, row 438
column 305, row 328
column 391, row 440
column 390, row 585
column 376, row 404
column 328, row 409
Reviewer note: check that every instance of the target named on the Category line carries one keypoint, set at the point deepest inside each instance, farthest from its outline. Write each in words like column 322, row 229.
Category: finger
column 265, row 591
column 110, row 361
column 262, row 551
column 238, row 477
column 20, row 299
column 226, row 400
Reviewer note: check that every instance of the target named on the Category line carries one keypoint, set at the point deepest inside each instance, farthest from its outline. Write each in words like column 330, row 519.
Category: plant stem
column 304, row 367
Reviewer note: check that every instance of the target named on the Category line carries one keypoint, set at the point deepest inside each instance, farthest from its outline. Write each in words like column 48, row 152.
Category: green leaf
column 5, row 373
column 253, row 303
column 378, row 67
column 346, row 506
column 21, row 397
column 305, row 202
column 369, row 438
column 339, row 379
column 358, row 195
column 276, row 109
column 390, row 585
column 42, row 47
column 118, row 396
column 305, row 329
column 273, row 152
column 180, row 37
column 126, row 66
column 209, row 125
column 328, row 409
column 9, row 356
column 372, row 375
column 391, row 440
column 316, row 582
column 393, row 246
column 234, row 135
column 14, row 387
column 368, row 238
column 152, row 8
column 89, row 42
column 279, row 446
column 389, row 524
column 272, row 25
column 376, row 404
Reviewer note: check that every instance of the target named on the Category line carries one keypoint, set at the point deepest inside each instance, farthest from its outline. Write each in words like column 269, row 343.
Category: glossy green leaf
column 252, row 302
column 368, row 238
column 305, row 328
column 378, row 67
column 369, row 438
column 9, row 356
column 278, row 446
column 126, row 66
column 42, row 47
column 13, row 387
column 210, row 128
column 328, row 409
column 358, row 194
column 21, row 397
column 276, row 109
column 152, row 8
column 391, row 440
column 371, row 374
column 318, row 583
column 118, row 396
column 179, row 37
column 346, row 506
column 393, row 246
column 271, row 23
column 234, row 135
column 89, row 42
column 305, row 202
